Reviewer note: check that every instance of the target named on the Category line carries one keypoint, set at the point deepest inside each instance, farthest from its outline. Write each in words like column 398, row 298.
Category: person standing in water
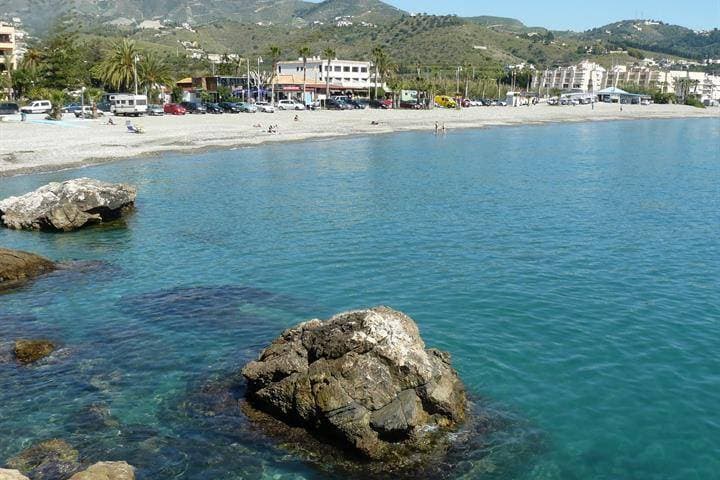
column 437, row 128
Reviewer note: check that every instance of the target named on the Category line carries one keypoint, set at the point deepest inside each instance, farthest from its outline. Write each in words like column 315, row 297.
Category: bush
column 694, row 102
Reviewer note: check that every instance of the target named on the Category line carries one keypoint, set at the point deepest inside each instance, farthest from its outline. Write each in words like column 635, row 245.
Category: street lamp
column 135, row 61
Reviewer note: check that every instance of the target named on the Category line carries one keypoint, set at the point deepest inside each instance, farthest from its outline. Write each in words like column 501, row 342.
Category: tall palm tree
column 330, row 54
column 32, row 58
column 380, row 60
column 304, row 53
column 117, row 68
column 153, row 72
column 274, row 53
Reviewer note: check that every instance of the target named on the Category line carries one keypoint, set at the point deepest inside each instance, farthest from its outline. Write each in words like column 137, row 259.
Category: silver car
column 265, row 107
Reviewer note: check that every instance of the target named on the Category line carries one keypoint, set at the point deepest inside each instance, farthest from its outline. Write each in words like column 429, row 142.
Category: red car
column 174, row 109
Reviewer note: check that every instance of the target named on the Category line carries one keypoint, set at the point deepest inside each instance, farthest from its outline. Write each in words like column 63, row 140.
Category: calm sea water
column 573, row 271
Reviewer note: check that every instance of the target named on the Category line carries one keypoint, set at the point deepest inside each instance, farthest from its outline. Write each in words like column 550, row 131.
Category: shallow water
column 573, row 271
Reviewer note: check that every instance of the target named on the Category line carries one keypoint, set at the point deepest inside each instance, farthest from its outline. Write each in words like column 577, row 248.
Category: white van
column 128, row 104
column 38, row 106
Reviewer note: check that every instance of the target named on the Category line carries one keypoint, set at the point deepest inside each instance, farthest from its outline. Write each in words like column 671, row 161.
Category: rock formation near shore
column 48, row 460
column 363, row 378
column 107, row 471
column 17, row 267
column 6, row 474
column 67, row 206
column 30, row 351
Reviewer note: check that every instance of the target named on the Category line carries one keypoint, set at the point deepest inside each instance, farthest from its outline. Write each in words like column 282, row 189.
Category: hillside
column 39, row 14
column 657, row 37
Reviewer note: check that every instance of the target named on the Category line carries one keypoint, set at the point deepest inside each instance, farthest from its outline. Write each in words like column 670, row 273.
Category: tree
column 274, row 53
column 118, row 67
column 304, row 53
column 330, row 54
column 7, row 77
column 153, row 73
column 63, row 61
column 382, row 64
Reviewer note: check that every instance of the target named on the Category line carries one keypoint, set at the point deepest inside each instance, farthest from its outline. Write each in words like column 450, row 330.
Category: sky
column 576, row 15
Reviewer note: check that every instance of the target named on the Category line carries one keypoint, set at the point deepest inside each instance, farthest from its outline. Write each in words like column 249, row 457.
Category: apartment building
column 584, row 77
column 7, row 47
column 343, row 74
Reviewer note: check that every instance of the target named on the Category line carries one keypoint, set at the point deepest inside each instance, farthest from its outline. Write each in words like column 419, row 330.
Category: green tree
column 330, row 54
column 63, row 61
column 153, row 73
column 118, row 67
column 274, row 52
column 304, row 53
column 382, row 64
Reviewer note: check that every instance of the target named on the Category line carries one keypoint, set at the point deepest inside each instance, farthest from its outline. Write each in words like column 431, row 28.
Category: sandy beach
column 39, row 145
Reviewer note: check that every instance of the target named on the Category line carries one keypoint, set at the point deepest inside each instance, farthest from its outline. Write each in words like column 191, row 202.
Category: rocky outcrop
column 107, row 471
column 6, row 474
column 363, row 378
column 48, row 460
column 67, row 206
column 30, row 351
column 17, row 267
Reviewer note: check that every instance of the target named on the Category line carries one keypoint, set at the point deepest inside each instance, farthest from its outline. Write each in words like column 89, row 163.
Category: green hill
column 658, row 37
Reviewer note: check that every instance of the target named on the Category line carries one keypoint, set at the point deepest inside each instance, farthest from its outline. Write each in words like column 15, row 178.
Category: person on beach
column 444, row 130
column 297, row 118
column 437, row 128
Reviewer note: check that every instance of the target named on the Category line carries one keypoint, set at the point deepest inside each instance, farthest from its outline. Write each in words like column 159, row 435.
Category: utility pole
column 135, row 60
column 248, row 78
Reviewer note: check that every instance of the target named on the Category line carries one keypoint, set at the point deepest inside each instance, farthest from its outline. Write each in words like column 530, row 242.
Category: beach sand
column 38, row 145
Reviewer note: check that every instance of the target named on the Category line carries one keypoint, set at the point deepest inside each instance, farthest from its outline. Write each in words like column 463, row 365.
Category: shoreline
column 43, row 147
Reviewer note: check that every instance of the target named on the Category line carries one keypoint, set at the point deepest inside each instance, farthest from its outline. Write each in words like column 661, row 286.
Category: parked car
column 359, row 103
column 194, row 107
column 645, row 102
column 9, row 109
column 86, row 111
column 38, row 106
column 105, row 107
column 384, row 104
column 213, row 108
column 230, row 107
column 265, row 107
column 411, row 104
column 174, row 109
column 337, row 104
column 155, row 110
column 445, row 101
column 247, row 107
column 70, row 107
column 290, row 105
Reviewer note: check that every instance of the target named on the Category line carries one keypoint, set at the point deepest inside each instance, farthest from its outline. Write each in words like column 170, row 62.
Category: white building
column 343, row 74
column 584, row 77
column 7, row 47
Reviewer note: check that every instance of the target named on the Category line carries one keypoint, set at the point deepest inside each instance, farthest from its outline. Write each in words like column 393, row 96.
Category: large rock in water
column 49, row 460
column 68, row 205
column 30, row 351
column 17, row 267
column 107, row 471
column 363, row 378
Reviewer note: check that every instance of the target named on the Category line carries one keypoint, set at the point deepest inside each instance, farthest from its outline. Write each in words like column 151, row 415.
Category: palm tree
column 304, row 53
column 330, row 54
column 117, row 68
column 381, row 62
column 153, row 72
column 275, row 54
column 32, row 59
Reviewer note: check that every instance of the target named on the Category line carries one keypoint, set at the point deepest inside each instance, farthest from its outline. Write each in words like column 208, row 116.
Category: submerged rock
column 363, row 379
column 107, row 471
column 68, row 205
column 30, row 351
column 17, row 267
column 48, row 460
column 11, row 475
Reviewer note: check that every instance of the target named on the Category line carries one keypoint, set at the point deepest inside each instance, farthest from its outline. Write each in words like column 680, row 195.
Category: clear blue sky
column 577, row 15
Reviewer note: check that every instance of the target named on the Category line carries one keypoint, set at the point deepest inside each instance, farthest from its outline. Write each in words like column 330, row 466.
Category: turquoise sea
column 572, row 271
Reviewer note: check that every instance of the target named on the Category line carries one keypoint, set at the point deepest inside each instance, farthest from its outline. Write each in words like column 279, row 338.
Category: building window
column 346, row 69
column 363, row 69
column 356, row 69
column 337, row 69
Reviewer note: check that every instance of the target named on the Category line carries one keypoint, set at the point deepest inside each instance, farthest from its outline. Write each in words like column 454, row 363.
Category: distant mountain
column 658, row 37
column 39, row 14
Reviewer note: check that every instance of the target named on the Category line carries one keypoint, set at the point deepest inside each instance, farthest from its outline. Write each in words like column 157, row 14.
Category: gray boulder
column 363, row 378
column 17, row 267
column 6, row 474
column 68, row 205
